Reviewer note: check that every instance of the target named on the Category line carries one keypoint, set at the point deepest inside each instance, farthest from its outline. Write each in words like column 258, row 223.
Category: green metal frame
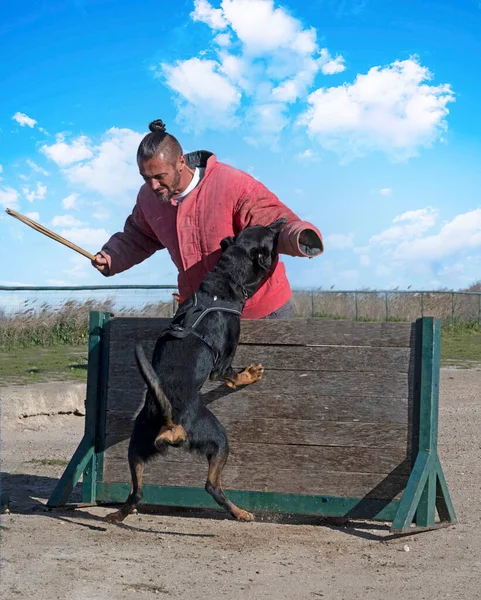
column 425, row 491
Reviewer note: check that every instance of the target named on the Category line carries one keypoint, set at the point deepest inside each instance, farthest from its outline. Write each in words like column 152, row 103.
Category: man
column 188, row 204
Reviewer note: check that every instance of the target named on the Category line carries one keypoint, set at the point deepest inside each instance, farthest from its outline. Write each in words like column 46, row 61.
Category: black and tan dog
column 200, row 342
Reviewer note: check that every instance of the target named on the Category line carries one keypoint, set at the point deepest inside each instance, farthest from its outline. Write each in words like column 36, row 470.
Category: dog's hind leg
column 137, row 470
column 249, row 375
column 214, row 487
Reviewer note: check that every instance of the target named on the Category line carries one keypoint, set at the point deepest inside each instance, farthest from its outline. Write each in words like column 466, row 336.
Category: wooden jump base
column 344, row 423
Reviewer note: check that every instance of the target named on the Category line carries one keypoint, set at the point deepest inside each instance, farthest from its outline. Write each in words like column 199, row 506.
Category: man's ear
column 180, row 163
column 226, row 242
column 277, row 225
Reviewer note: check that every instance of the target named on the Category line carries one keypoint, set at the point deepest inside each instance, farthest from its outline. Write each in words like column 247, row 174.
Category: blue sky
column 361, row 115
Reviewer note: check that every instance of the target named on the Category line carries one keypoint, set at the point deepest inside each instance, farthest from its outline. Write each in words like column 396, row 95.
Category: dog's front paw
column 255, row 372
column 249, row 375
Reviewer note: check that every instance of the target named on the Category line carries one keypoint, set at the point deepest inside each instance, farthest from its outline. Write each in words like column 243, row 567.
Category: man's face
column 162, row 176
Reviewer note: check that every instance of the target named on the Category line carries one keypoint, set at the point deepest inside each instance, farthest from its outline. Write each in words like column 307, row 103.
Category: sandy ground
column 49, row 554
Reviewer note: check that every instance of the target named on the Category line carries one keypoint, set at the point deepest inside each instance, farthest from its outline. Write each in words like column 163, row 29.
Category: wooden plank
column 299, row 358
column 300, row 481
column 126, row 386
column 226, row 403
column 315, row 459
column 289, row 432
column 310, row 331
column 258, row 502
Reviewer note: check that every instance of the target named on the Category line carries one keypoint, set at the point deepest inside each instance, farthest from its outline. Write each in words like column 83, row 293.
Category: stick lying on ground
column 48, row 233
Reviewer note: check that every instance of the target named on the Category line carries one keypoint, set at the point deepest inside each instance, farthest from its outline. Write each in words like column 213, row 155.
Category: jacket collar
column 199, row 158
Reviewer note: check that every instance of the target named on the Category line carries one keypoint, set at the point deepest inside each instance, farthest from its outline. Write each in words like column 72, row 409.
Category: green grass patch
column 38, row 364
column 460, row 344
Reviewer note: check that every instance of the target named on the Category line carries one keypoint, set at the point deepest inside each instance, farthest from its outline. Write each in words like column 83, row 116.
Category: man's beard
column 165, row 194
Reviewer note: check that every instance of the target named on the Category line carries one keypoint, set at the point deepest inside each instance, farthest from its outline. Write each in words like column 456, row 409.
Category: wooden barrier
column 344, row 422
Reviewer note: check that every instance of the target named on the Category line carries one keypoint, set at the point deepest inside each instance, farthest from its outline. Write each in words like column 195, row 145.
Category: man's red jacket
column 225, row 201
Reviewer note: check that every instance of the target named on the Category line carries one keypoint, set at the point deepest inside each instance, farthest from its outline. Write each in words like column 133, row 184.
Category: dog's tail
column 153, row 383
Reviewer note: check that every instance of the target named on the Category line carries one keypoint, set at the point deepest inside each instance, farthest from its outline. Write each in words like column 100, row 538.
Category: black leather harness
column 191, row 312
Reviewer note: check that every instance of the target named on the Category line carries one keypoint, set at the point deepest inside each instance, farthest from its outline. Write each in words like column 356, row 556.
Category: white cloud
column 36, row 168
column 460, row 234
column 84, row 236
column 265, row 60
column 38, row 193
column 23, row 120
column 385, row 191
column 308, row 156
column 70, row 202
column 64, row 154
column 23, row 177
column 329, row 65
column 112, row 169
column 78, row 268
column 407, row 226
column 338, row 241
column 390, row 109
column 420, row 250
column 205, row 13
column 223, row 39
column 66, row 221
column 206, row 94
column 8, row 197
column 262, row 28
column 35, row 216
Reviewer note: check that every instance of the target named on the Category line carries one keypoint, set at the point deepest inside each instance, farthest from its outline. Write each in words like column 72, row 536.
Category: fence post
column 312, row 303
column 452, row 307
column 357, row 307
column 422, row 304
column 387, row 308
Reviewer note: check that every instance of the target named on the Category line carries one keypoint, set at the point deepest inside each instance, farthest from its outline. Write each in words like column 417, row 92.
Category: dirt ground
column 74, row 554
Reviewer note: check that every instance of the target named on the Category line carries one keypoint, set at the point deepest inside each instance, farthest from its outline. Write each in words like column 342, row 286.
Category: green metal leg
column 425, row 492
column 77, row 465
column 443, row 499
column 413, row 492
column 426, row 511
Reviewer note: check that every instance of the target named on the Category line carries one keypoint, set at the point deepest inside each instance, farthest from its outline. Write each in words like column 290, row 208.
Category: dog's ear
column 277, row 225
column 262, row 257
column 226, row 242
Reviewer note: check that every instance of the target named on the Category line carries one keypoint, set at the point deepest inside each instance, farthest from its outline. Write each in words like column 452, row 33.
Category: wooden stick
column 48, row 233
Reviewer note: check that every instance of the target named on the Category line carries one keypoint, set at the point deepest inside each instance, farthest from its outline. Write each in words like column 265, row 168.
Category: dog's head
column 259, row 243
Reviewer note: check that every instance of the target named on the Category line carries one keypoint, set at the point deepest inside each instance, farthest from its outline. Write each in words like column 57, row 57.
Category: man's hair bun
column 157, row 126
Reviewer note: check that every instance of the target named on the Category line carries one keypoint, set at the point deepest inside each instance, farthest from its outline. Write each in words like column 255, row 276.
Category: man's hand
column 310, row 243
column 101, row 264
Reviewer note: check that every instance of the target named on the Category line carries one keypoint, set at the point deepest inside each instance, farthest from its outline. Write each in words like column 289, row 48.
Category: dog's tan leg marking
column 249, row 375
column 172, row 434
column 214, row 487
column 137, row 471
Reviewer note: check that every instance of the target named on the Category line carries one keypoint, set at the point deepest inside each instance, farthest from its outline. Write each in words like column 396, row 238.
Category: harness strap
column 187, row 315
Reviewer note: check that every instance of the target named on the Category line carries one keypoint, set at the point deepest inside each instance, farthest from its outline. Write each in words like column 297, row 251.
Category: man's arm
column 259, row 206
column 129, row 247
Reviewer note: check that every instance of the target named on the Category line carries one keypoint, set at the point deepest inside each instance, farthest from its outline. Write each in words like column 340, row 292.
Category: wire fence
column 158, row 300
